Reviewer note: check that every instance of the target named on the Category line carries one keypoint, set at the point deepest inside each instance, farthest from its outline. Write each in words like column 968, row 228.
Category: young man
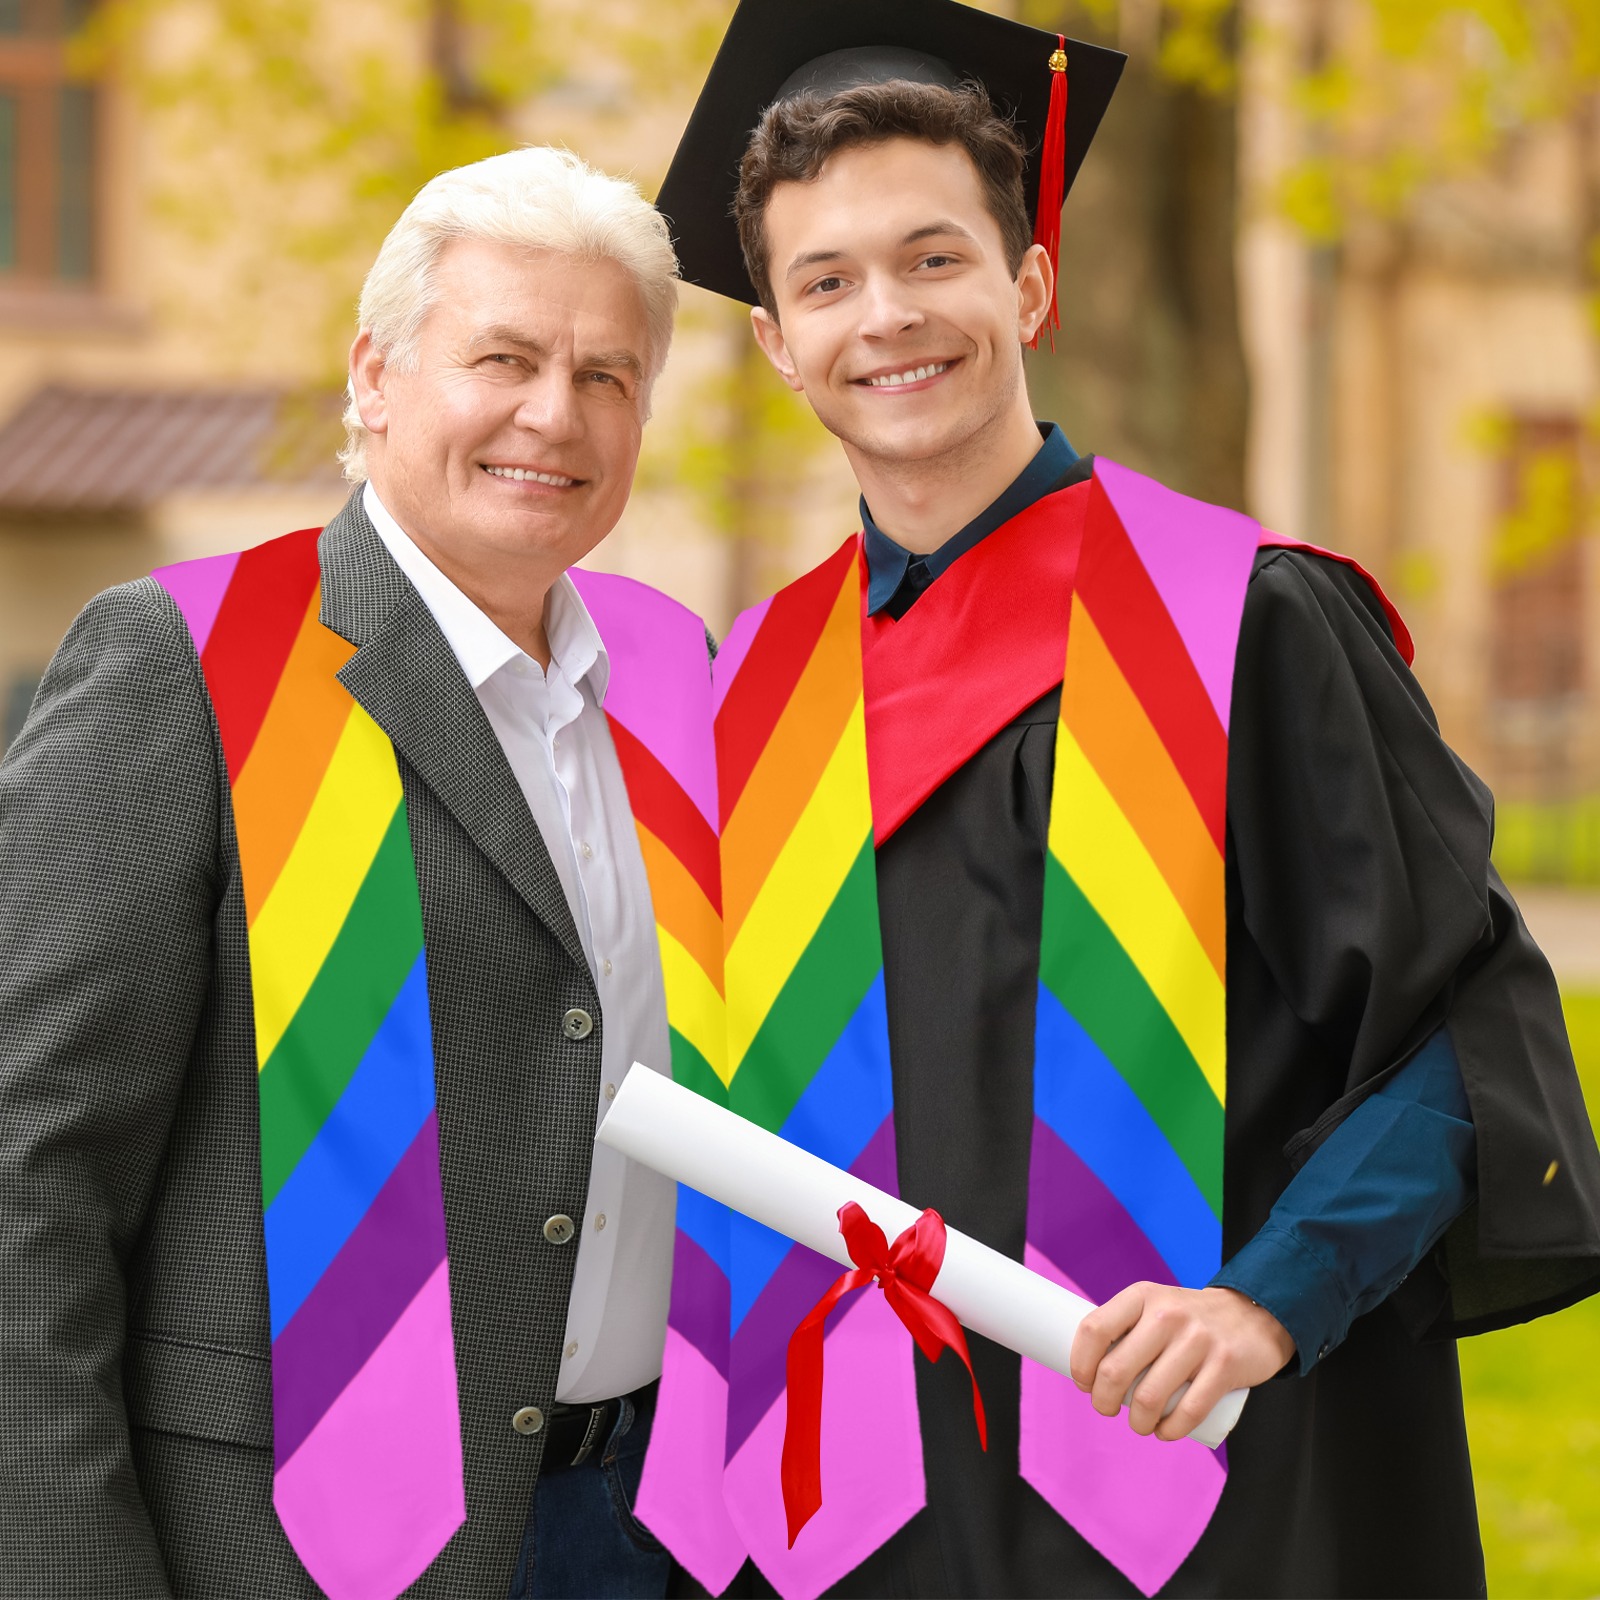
column 1222, row 859
column 324, row 928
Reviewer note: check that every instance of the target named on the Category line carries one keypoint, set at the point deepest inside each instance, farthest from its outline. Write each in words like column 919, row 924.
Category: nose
column 549, row 405
column 887, row 309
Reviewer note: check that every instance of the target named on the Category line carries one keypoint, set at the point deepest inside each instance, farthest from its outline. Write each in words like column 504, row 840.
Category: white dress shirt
column 550, row 724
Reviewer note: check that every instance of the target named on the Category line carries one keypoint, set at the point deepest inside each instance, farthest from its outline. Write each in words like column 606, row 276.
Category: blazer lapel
column 407, row 679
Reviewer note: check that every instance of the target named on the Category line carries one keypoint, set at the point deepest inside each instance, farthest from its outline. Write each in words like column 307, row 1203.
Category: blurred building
column 120, row 447
column 1426, row 396
column 1422, row 392
column 137, row 429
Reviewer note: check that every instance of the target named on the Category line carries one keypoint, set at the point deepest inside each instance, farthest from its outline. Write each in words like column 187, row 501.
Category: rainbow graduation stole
column 659, row 709
column 821, row 754
column 353, row 1205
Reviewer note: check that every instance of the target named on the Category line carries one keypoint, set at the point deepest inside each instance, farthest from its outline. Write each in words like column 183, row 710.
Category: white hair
column 536, row 197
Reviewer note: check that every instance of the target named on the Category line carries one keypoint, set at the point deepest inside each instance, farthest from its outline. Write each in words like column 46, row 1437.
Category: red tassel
column 1052, row 180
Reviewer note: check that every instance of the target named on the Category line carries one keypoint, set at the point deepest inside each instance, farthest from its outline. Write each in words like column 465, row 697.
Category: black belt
column 575, row 1434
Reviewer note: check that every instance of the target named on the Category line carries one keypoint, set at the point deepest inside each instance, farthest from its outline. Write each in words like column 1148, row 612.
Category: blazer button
column 577, row 1024
column 530, row 1419
column 560, row 1229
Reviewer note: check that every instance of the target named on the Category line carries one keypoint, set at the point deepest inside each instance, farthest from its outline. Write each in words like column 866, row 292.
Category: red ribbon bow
column 906, row 1272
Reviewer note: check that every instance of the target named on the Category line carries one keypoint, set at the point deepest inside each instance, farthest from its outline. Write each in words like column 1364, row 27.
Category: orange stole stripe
column 787, row 772
column 681, row 906
column 1116, row 734
column 285, row 767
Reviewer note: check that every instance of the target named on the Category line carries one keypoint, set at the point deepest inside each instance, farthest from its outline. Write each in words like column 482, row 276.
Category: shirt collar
column 477, row 642
column 888, row 562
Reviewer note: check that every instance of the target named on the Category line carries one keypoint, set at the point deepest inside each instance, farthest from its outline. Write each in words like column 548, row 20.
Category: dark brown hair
column 795, row 138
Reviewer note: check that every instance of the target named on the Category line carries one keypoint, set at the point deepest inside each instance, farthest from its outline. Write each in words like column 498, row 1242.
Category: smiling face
column 897, row 313
column 510, row 446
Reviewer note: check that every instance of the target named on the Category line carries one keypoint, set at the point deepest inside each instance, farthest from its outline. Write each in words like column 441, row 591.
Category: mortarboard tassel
column 1052, row 178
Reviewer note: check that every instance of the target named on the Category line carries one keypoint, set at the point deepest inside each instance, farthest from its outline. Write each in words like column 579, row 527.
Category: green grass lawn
column 1533, row 1413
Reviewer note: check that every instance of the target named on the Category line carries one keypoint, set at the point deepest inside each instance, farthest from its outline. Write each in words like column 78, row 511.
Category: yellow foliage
column 1488, row 430
column 1309, row 197
column 290, row 134
column 1397, row 94
column 1416, row 576
column 1550, row 514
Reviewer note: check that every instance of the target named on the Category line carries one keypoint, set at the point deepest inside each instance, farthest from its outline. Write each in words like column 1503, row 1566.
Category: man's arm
column 1367, row 1206
column 108, row 868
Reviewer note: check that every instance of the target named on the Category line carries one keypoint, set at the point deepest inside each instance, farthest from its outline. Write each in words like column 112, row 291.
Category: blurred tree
column 294, row 131
column 1405, row 101
column 1392, row 98
column 1149, row 366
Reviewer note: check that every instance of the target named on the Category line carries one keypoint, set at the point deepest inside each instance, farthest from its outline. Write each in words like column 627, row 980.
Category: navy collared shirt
column 1380, row 1191
column 895, row 577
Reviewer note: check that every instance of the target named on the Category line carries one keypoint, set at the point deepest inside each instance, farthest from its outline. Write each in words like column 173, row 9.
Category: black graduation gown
column 1362, row 912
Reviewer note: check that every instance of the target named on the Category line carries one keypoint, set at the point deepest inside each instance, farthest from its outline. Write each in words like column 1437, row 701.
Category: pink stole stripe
column 198, row 587
column 660, row 685
column 1141, row 1502
column 871, row 1458
column 680, row 1496
column 1198, row 556
column 731, row 654
column 406, row 1498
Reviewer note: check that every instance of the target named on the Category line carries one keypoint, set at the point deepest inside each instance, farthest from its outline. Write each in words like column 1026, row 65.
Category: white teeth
column 914, row 375
column 521, row 475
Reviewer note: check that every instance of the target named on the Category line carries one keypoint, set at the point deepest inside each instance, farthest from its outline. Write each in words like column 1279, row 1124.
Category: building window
column 1537, row 566
column 1547, row 813
column 48, row 140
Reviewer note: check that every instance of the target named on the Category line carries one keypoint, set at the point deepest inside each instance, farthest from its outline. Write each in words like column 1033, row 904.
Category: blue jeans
column 583, row 1541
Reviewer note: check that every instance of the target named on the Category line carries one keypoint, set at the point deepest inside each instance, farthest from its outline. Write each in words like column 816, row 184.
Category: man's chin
column 915, row 440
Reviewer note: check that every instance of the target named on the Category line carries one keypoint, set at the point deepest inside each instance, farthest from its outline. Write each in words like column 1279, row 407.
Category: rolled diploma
column 684, row 1136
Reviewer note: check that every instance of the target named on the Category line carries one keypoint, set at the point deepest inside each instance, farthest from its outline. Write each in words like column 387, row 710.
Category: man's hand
column 1212, row 1339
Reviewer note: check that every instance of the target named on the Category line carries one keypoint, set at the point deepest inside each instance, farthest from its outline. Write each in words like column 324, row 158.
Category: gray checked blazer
column 135, row 1383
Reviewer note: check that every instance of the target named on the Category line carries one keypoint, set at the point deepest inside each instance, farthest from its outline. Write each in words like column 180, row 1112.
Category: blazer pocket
column 207, row 1392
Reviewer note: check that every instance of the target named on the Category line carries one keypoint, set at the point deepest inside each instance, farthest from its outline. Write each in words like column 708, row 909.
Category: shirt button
column 611, row 1091
column 577, row 1024
column 572, row 1349
column 530, row 1419
column 588, row 850
column 605, row 967
column 560, row 1229
column 600, row 1223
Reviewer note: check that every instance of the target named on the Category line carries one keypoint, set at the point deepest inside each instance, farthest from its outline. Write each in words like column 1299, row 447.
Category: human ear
column 367, row 372
column 774, row 346
column 1036, row 282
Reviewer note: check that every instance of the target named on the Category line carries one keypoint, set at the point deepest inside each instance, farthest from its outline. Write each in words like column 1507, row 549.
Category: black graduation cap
column 777, row 48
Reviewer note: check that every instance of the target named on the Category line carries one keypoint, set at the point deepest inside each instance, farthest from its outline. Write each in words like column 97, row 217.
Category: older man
column 324, row 932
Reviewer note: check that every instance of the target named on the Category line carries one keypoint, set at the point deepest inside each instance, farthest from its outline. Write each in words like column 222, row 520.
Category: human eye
column 932, row 263
column 611, row 385
column 828, row 285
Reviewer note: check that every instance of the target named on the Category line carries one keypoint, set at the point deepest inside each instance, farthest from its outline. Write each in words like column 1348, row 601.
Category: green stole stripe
column 1090, row 973
column 351, row 995
column 816, row 1002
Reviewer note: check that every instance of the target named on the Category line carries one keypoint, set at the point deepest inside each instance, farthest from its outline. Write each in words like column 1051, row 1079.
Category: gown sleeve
column 1359, row 846
column 1369, row 1204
